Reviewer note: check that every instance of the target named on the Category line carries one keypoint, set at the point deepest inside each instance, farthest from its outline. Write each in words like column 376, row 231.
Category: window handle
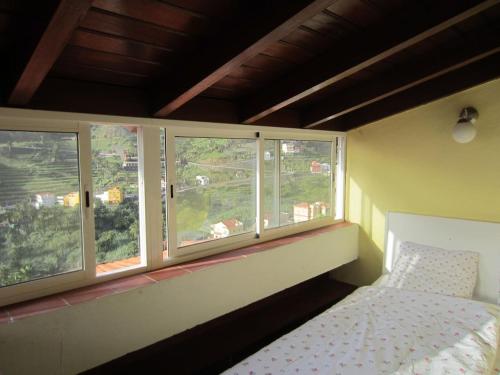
column 87, row 199
column 171, row 191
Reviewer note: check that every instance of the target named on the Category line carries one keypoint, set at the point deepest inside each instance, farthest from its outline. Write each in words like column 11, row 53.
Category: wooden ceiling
column 320, row 64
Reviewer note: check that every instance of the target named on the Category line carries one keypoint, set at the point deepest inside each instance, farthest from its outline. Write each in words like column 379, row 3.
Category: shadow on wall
column 368, row 267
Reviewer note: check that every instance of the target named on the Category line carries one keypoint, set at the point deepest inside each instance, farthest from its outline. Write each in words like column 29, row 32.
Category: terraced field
column 26, row 171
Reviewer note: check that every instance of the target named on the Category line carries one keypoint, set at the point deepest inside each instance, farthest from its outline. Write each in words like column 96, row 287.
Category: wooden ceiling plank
column 252, row 73
column 288, row 52
column 357, row 12
column 213, row 92
column 333, row 66
column 111, row 61
column 329, row 24
column 89, row 73
column 207, row 109
column 462, row 79
column 55, row 37
column 416, row 73
column 56, row 94
column 111, row 43
column 309, row 41
column 235, row 48
column 216, row 9
column 270, row 67
column 129, row 28
column 157, row 13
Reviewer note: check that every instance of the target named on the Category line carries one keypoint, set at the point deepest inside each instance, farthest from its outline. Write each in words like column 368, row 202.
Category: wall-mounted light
column 464, row 131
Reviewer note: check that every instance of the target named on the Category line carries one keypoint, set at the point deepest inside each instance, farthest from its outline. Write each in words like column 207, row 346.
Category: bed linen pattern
column 496, row 367
column 382, row 330
column 430, row 269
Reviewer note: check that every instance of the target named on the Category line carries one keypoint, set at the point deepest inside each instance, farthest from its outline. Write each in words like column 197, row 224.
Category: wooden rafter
column 53, row 40
column 344, row 62
column 228, row 52
column 486, row 43
column 471, row 75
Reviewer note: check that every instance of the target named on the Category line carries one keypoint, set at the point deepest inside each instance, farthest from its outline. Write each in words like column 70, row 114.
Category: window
column 116, row 197
column 40, row 214
column 298, row 181
column 215, row 188
column 271, row 184
column 164, row 194
column 83, row 200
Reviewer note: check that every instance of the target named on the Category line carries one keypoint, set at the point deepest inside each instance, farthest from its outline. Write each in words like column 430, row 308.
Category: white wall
column 80, row 337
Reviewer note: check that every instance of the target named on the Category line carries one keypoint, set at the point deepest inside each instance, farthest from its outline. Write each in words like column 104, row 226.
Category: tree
column 39, row 243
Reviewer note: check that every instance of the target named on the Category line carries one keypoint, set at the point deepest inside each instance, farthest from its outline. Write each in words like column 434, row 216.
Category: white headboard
column 451, row 234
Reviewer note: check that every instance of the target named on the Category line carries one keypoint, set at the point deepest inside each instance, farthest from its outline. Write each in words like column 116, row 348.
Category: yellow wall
column 410, row 163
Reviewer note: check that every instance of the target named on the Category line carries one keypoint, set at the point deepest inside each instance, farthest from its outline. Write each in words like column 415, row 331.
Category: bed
column 401, row 325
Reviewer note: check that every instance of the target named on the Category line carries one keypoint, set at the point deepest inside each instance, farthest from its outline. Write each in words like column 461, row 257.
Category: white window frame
column 37, row 287
column 340, row 179
column 174, row 251
column 337, row 195
column 150, row 212
column 148, row 170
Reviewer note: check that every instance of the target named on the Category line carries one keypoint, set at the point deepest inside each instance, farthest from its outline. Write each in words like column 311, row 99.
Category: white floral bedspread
column 381, row 330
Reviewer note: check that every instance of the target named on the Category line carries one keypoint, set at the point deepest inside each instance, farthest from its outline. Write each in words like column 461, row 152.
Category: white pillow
column 434, row 270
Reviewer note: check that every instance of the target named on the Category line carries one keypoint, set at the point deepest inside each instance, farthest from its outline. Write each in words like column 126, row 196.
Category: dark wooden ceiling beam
column 229, row 51
column 52, row 42
column 360, row 53
column 462, row 79
column 485, row 43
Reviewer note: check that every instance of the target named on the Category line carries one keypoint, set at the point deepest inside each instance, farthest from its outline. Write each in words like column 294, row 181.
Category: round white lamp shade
column 464, row 132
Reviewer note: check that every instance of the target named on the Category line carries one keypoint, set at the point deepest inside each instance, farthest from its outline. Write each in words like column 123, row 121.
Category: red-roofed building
column 226, row 228
column 315, row 167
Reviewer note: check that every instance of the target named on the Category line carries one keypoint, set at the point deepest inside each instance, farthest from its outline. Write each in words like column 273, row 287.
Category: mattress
column 382, row 330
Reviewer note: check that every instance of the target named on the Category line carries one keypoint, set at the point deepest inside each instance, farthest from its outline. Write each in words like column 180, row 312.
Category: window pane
column 116, row 203
column 40, row 214
column 271, row 184
column 215, row 190
column 164, row 192
column 305, row 180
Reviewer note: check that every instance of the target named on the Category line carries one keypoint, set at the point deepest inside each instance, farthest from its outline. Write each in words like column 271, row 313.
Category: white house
column 45, row 199
column 202, row 180
column 226, row 228
column 291, row 147
column 301, row 212
column 305, row 211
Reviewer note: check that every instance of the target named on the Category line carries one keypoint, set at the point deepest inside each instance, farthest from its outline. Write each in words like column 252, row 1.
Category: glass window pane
column 40, row 213
column 164, row 190
column 215, row 189
column 271, row 184
column 116, row 197
column 305, row 180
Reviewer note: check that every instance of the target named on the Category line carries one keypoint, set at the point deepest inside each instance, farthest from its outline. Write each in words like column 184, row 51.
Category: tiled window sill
column 11, row 313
